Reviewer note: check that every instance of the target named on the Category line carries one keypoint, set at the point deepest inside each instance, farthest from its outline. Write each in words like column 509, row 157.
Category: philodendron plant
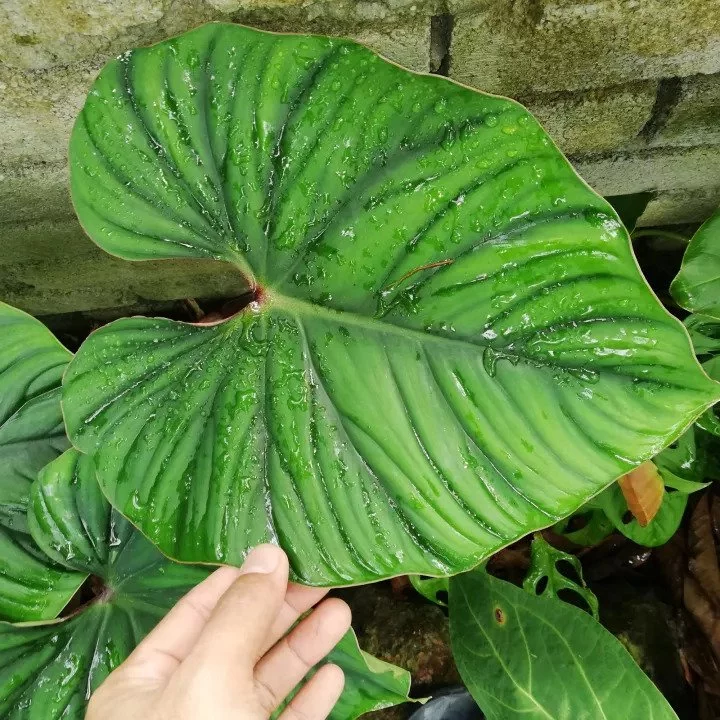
column 441, row 343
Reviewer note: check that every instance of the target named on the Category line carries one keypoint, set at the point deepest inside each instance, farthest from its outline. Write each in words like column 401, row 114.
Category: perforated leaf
column 551, row 573
column 450, row 343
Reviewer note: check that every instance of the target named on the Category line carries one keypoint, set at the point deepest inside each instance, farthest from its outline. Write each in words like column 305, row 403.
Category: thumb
column 238, row 627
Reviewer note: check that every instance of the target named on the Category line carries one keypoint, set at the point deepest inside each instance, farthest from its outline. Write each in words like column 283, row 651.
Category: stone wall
column 630, row 89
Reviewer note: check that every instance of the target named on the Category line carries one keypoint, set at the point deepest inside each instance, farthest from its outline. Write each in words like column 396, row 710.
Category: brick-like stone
column 594, row 120
column 38, row 111
column 661, row 169
column 28, row 192
column 681, row 207
column 514, row 47
column 39, row 107
column 694, row 119
column 52, row 267
column 37, row 34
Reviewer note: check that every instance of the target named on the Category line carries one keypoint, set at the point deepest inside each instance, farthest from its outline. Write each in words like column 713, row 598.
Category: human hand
column 222, row 652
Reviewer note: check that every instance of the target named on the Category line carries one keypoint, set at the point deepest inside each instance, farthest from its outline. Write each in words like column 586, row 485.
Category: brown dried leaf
column 643, row 490
column 704, row 611
column 702, row 552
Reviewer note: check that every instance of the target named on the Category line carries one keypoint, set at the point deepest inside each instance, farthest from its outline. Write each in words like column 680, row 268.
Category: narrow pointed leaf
column 370, row 683
column 450, row 344
column 697, row 285
column 31, row 434
column 523, row 656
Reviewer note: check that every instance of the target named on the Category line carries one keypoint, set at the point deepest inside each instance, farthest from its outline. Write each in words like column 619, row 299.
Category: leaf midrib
column 301, row 309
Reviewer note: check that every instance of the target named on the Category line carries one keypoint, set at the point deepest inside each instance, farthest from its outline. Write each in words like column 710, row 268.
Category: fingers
column 177, row 634
column 298, row 600
column 160, row 653
column 280, row 671
column 317, row 699
column 236, row 633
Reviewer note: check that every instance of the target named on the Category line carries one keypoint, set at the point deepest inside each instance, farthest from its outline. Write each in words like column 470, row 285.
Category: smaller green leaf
column 709, row 422
column 595, row 529
column 697, row 285
column 658, row 531
column 705, row 334
column 32, row 360
column 630, row 207
column 431, row 587
column 546, row 577
column 50, row 670
column 524, row 656
column 685, row 458
column 370, row 683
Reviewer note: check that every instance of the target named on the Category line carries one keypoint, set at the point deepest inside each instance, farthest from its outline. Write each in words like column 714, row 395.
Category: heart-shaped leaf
column 31, row 434
column 449, row 345
column 523, row 656
column 697, row 285
column 49, row 670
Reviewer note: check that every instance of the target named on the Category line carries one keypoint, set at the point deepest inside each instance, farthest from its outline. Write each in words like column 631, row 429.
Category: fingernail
column 262, row 559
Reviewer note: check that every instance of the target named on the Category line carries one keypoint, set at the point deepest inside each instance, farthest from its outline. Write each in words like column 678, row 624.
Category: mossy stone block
column 594, row 120
column 52, row 267
column 514, row 47
column 694, row 119
column 659, row 169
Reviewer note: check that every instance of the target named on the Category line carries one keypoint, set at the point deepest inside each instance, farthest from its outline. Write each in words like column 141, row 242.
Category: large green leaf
column 450, row 343
column 523, row 656
column 31, row 434
column 697, row 285
column 48, row 670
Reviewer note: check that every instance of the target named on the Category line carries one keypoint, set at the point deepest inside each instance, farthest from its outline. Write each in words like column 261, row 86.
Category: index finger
column 172, row 639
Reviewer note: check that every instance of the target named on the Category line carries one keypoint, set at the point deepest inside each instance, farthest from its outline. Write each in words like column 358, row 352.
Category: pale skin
column 224, row 651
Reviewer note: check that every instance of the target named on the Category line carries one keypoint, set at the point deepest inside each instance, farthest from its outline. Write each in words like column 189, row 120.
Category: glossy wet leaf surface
column 705, row 336
column 523, row 656
column 31, row 434
column 450, row 345
column 697, row 285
